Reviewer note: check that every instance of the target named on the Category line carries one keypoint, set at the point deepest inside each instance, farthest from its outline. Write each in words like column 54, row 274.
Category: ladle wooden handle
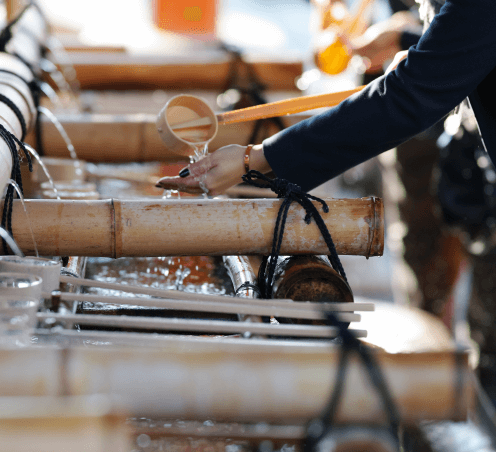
column 273, row 109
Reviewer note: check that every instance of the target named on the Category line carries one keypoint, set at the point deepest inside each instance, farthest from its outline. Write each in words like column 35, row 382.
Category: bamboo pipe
column 242, row 380
column 180, row 295
column 130, row 138
column 116, row 228
column 272, row 109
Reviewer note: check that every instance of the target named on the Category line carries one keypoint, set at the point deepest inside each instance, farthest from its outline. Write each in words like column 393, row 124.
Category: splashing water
column 59, row 79
column 64, row 135
column 19, row 193
column 11, row 242
column 198, row 155
column 62, row 59
column 43, row 167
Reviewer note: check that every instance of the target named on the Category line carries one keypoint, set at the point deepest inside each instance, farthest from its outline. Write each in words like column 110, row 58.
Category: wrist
column 258, row 161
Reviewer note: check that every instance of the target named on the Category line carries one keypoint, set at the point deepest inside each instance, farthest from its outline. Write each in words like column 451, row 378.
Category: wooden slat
column 204, row 326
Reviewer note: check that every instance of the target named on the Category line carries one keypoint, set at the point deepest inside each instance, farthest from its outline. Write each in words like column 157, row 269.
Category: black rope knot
column 290, row 192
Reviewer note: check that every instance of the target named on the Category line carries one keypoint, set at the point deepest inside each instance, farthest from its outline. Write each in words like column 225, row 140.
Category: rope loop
column 320, row 427
column 289, row 192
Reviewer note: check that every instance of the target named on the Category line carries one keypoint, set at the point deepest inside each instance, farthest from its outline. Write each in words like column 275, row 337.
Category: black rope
column 35, row 88
column 6, row 33
column 253, row 92
column 318, row 428
column 290, row 192
column 12, row 143
column 17, row 112
column 247, row 286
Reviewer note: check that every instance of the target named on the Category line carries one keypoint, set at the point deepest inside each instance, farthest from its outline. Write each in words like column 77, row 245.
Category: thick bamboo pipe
column 242, row 380
column 130, row 138
column 116, row 228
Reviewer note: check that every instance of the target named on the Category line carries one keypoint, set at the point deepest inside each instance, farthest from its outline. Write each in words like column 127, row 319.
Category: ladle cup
column 184, row 109
column 187, row 122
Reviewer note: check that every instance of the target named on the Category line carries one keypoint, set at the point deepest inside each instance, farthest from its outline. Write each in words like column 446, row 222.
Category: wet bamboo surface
column 158, row 227
column 239, row 380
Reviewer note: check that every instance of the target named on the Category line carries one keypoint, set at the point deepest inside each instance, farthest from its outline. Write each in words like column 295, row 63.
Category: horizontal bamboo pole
column 130, row 138
column 193, row 227
column 204, row 326
column 242, row 380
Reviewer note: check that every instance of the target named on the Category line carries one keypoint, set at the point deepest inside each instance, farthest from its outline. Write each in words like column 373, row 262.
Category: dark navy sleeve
column 453, row 56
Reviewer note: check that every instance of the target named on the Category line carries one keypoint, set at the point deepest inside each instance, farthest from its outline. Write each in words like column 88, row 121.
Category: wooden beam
column 116, row 228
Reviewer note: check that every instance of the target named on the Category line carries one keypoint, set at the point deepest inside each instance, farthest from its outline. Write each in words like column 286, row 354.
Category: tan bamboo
column 241, row 380
column 130, row 138
column 159, row 227
column 61, row 424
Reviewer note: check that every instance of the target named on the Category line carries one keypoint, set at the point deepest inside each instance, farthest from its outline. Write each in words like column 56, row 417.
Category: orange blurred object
column 334, row 14
column 333, row 58
column 190, row 17
column 333, row 54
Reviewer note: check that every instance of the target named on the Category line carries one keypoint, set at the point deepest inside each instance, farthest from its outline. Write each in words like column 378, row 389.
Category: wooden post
column 193, row 227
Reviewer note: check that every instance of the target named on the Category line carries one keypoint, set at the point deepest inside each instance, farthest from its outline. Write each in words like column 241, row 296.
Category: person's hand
column 381, row 42
column 217, row 171
column 398, row 58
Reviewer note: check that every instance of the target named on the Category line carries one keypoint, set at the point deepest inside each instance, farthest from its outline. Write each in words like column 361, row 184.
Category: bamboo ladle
column 187, row 122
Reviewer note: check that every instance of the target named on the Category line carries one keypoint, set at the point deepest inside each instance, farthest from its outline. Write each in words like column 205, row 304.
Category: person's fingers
column 199, row 168
column 185, row 184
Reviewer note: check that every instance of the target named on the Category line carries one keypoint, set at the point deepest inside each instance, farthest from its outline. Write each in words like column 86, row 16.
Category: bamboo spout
column 117, row 228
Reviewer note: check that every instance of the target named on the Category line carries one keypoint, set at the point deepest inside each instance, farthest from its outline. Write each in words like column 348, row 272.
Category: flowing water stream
column 64, row 135
column 44, row 168
column 11, row 242
column 19, row 193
